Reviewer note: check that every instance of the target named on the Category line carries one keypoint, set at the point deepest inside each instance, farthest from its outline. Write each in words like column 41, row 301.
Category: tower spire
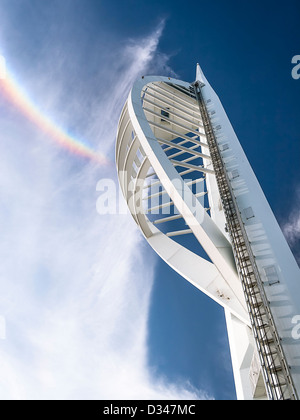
column 199, row 74
column 249, row 270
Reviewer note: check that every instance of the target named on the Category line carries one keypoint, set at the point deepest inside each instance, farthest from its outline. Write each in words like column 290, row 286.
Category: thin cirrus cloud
column 75, row 286
column 291, row 227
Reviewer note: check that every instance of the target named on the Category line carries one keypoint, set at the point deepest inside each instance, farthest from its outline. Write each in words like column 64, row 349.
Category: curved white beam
column 218, row 279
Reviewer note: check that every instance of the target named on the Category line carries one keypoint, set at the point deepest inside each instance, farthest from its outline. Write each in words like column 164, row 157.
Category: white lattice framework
column 168, row 179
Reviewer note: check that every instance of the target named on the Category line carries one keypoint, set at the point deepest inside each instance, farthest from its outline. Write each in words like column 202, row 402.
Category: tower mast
column 277, row 375
column 180, row 164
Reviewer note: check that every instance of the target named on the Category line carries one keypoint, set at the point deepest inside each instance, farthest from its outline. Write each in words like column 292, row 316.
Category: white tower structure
column 195, row 197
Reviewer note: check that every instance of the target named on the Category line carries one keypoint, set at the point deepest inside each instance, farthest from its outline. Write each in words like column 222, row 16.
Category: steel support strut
column 276, row 372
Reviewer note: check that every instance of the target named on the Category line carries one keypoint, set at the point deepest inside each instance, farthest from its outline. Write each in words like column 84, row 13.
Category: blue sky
column 85, row 316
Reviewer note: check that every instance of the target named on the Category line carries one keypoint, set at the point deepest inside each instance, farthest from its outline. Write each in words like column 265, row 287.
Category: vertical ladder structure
column 193, row 194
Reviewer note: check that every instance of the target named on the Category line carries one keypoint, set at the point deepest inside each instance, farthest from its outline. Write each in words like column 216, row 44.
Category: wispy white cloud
column 291, row 227
column 75, row 286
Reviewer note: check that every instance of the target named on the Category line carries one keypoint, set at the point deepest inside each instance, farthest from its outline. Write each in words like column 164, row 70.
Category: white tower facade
column 192, row 192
